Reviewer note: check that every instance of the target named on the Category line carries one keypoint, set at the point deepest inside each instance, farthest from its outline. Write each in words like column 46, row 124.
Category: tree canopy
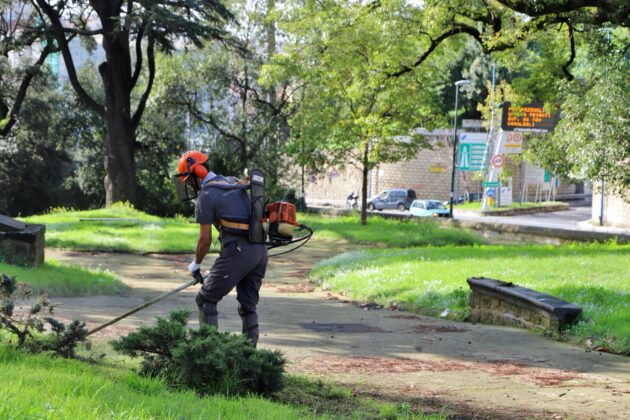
column 129, row 33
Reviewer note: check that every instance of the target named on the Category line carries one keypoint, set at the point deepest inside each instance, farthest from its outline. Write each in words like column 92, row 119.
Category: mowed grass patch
column 414, row 232
column 57, row 279
column 119, row 228
column 39, row 386
column 430, row 280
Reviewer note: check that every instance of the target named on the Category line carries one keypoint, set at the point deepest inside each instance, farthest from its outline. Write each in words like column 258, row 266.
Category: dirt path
column 459, row 368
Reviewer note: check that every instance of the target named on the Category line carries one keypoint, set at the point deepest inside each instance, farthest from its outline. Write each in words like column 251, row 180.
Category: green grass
column 45, row 387
column 415, row 232
column 476, row 205
column 41, row 386
column 429, row 280
column 137, row 232
column 321, row 397
column 59, row 279
column 143, row 233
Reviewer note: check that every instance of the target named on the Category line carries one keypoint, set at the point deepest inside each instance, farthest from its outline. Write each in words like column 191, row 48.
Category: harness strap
column 240, row 184
column 233, row 225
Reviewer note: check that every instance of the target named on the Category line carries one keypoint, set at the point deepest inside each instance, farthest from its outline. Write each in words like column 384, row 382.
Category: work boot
column 208, row 313
column 250, row 325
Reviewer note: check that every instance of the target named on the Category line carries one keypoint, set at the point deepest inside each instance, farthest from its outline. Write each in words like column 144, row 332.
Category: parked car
column 392, row 199
column 430, row 208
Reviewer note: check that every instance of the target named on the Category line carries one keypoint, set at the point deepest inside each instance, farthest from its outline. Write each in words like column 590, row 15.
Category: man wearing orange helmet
column 224, row 203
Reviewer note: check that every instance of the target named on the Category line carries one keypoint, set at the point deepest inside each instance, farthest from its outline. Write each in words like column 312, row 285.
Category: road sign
column 498, row 161
column 505, row 198
column 531, row 117
column 491, row 184
column 437, row 169
column 490, row 193
column 513, row 143
column 472, row 148
column 534, row 175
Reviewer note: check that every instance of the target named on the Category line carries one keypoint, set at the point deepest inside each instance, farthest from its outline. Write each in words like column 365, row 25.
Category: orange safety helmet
column 191, row 168
column 192, row 162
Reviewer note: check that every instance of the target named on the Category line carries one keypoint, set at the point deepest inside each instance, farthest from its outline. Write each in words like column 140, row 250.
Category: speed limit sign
column 498, row 161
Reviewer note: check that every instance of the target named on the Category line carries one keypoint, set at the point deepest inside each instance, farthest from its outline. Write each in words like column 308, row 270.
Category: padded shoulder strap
column 257, row 184
column 225, row 184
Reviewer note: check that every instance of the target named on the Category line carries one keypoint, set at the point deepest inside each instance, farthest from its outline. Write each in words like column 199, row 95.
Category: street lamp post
column 601, row 204
column 455, row 164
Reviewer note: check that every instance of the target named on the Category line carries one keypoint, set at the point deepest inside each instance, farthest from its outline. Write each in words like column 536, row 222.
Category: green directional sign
column 491, row 184
column 472, row 148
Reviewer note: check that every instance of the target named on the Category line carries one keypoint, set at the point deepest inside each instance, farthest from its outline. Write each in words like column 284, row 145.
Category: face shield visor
column 186, row 186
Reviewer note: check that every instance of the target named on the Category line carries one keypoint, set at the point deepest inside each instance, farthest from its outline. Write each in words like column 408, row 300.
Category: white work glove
column 193, row 267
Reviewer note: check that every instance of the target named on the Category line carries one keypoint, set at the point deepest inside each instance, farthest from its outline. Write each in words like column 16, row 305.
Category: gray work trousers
column 241, row 265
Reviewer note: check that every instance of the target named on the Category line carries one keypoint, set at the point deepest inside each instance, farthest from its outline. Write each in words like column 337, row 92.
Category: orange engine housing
column 282, row 212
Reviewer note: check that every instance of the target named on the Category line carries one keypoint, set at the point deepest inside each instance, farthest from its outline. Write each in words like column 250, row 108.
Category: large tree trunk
column 120, row 181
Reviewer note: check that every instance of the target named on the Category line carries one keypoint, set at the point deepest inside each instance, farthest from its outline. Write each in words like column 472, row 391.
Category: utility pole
column 490, row 146
column 455, row 163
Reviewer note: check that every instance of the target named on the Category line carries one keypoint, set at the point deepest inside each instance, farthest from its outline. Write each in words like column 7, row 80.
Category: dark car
column 392, row 199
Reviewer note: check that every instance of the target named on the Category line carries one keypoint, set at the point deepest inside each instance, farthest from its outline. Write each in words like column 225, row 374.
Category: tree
column 592, row 139
column 19, row 31
column 350, row 113
column 241, row 122
column 130, row 32
column 537, row 41
column 35, row 157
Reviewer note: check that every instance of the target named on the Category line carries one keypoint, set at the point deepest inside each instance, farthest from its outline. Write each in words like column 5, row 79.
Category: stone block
column 502, row 303
column 23, row 247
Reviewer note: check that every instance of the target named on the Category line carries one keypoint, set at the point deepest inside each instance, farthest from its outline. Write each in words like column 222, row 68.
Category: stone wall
column 23, row 247
column 429, row 174
column 616, row 209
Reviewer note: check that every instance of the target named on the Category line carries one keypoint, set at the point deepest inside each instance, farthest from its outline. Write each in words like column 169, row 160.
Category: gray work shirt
column 214, row 203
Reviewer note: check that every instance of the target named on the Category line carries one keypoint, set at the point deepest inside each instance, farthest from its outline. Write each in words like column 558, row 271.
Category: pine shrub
column 205, row 360
column 34, row 330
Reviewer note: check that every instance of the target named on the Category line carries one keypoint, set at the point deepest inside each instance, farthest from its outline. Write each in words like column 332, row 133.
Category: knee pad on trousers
column 249, row 320
column 208, row 313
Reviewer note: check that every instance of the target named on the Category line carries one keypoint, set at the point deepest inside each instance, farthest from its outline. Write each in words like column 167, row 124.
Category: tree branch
column 456, row 30
column 83, row 32
column 607, row 10
column 565, row 68
column 32, row 71
column 67, row 57
column 209, row 119
column 135, row 120
column 138, row 66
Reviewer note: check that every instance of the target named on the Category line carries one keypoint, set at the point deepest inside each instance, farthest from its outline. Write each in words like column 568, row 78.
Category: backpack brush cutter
column 280, row 224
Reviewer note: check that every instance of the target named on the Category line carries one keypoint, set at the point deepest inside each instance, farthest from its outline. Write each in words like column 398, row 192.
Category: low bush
column 32, row 330
column 205, row 360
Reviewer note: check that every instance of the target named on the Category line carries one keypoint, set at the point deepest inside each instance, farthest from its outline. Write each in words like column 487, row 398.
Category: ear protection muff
column 197, row 168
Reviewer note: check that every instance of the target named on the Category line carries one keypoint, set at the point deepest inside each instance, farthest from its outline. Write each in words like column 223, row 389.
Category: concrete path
column 458, row 368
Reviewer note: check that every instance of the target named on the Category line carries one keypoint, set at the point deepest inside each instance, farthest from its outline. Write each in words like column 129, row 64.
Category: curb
column 547, row 232
column 529, row 210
